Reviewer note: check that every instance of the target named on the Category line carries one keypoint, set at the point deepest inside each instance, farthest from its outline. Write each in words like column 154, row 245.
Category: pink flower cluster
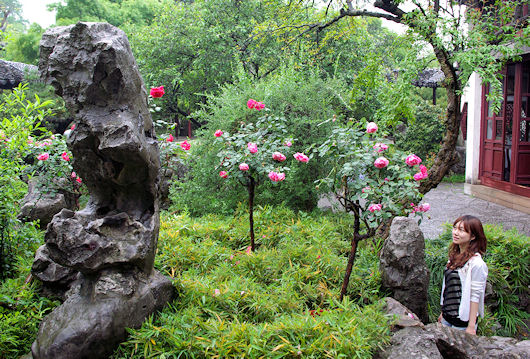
column 301, row 157
column 276, row 177
column 424, row 207
column 252, row 147
column 43, row 156
column 380, row 147
column 253, row 104
column 76, row 177
column 375, row 207
column 278, row 156
column 381, row 162
column 422, row 174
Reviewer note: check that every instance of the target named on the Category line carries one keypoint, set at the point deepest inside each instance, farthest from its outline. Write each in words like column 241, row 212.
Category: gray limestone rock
column 42, row 206
column 437, row 341
column 405, row 317
column 403, row 267
column 110, row 244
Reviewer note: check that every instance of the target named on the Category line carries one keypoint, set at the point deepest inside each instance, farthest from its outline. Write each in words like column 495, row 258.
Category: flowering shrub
column 255, row 153
column 53, row 166
column 371, row 179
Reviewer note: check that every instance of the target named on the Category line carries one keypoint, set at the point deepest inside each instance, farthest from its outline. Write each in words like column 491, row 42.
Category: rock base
column 92, row 320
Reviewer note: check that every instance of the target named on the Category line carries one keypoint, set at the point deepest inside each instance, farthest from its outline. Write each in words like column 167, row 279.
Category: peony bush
column 371, row 179
column 254, row 154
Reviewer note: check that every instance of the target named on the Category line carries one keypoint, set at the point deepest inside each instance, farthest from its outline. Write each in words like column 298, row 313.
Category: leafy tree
column 10, row 11
column 115, row 12
column 24, row 46
column 493, row 38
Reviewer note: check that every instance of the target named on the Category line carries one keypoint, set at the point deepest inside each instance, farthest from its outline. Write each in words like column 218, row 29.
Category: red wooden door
column 522, row 130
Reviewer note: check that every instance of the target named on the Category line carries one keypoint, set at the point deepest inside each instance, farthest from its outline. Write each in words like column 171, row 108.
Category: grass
column 280, row 301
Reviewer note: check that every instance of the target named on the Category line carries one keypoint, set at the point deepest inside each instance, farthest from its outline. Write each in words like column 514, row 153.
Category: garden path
column 448, row 201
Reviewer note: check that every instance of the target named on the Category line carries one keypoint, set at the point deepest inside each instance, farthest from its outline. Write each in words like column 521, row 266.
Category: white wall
column 472, row 95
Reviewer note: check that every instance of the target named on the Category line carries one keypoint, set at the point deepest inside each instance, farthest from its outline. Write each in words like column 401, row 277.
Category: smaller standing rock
column 403, row 267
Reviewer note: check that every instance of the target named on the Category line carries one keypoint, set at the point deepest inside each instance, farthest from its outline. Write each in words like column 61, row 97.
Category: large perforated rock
column 403, row 267
column 111, row 243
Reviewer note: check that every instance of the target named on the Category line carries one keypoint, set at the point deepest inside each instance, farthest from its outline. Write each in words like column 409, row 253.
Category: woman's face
column 460, row 236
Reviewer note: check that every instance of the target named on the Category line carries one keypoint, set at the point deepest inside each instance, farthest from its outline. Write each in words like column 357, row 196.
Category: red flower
column 157, row 92
column 185, row 145
column 65, row 156
column 170, row 138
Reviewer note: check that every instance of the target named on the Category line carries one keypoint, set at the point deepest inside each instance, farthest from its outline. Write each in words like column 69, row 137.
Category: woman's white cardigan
column 473, row 276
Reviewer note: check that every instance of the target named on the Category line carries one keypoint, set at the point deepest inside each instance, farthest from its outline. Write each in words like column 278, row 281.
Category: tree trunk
column 446, row 156
column 353, row 252
column 349, row 266
column 251, row 187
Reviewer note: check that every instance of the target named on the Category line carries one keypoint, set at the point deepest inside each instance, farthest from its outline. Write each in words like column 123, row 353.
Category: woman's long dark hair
column 473, row 226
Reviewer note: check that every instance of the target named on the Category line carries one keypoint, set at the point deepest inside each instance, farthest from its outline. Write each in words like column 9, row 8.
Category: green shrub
column 423, row 136
column 507, row 257
column 279, row 301
column 304, row 101
column 21, row 308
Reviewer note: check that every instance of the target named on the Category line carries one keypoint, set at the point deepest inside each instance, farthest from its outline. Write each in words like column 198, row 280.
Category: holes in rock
column 449, row 351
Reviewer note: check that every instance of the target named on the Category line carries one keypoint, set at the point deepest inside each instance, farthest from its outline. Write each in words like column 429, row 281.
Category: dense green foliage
column 20, row 118
column 507, row 257
column 304, row 101
column 423, row 136
column 234, row 304
column 21, row 307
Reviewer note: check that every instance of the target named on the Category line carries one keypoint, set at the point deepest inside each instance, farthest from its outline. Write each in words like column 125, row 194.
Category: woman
column 465, row 276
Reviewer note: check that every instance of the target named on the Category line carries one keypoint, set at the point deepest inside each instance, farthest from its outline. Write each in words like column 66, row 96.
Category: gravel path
column 448, row 202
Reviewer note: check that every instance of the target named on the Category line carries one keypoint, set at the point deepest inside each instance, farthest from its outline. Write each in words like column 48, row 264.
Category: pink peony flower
column 223, row 174
column 259, row 106
column 252, row 147
column 276, row 177
column 423, row 171
column 424, row 207
column 170, row 138
column 386, row 179
column 412, row 160
column 243, row 167
column 301, row 157
column 73, row 175
column 371, row 127
column 78, row 179
column 65, row 156
column 418, row 176
column 43, row 156
column 185, row 145
column 375, row 207
column 380, row 147
column 278, row 156
column 288, row 143
column 157, row 92
column 381, row 162
column 251, row 103
column 216, row 292
column 218, row 133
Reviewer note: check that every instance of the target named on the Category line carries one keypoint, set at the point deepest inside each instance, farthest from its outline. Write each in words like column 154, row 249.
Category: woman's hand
column 440, row 318
column 471, row 331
